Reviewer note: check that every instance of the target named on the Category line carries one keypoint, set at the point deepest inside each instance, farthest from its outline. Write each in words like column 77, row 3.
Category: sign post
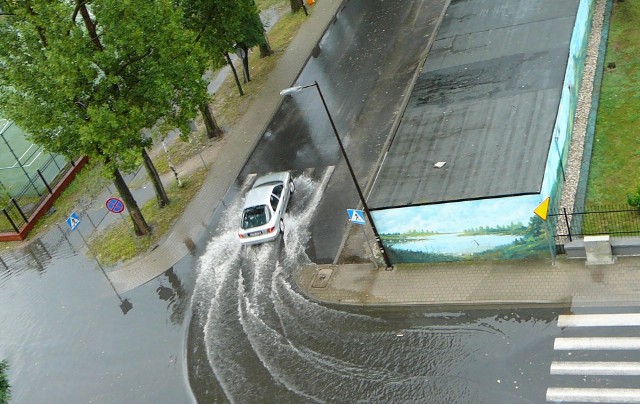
column 73, row 221
column 114, row 205
column 357, row 217
column 542, row 211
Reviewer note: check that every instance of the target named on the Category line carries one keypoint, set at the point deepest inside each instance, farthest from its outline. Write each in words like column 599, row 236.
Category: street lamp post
column 291, row 90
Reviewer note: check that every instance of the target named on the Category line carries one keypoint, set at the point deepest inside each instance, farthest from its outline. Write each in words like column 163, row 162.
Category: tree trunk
column 140, row 226
column 245, row 63
column 161, row 193
column 235, row 73
column 295, row 5
column 265, row 48
column 213, row 129
column 89, row 24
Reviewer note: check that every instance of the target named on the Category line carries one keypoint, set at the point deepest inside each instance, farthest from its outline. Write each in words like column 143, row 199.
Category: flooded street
column 65, row 335
column 255, row 335
column 231, row 325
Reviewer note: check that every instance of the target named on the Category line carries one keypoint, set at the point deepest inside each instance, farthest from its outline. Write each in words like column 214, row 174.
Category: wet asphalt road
column 255, row 337
column 65, row 335
column 230, row 323
column 363, row 65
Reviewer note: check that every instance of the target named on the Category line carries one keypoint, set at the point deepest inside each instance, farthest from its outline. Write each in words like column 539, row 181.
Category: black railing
column 594, row 220
column 17, row 208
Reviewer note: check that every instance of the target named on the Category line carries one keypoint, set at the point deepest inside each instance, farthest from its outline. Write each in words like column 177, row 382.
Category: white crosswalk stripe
column 593, row 395
column 614, row 343
column 595, row 368
column 604, row 381
column 599, row 320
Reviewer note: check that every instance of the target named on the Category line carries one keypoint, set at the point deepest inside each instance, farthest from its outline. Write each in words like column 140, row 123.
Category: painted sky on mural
column 456, row 217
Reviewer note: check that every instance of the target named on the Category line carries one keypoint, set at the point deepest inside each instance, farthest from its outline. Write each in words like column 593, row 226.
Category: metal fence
column 16, row 209
column 570, row 224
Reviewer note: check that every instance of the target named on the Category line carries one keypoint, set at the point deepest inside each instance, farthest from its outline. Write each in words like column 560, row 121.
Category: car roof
column 261, row 191
column 258, row 196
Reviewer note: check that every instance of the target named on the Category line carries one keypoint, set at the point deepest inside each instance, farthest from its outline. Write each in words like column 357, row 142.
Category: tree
column 222, row 26
column 252, row 29
column 296, row 5
column 252, row 33
column 210, row 123
column 161, row 193
column 86, row 78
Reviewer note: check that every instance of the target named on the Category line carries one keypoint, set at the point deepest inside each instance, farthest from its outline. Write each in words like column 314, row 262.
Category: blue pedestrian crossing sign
column 73, row 221
column 356, row 216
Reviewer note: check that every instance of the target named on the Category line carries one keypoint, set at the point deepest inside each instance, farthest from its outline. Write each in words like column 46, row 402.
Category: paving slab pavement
column 567, row 282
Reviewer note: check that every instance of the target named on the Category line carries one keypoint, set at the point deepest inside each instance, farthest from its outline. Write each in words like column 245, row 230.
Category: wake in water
column 234, row 287
column 264, row 341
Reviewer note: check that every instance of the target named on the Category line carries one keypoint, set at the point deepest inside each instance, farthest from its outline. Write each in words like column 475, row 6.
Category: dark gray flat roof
column 485, row 103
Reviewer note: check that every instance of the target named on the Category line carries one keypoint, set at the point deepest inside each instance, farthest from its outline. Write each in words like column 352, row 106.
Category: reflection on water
column 66, row 338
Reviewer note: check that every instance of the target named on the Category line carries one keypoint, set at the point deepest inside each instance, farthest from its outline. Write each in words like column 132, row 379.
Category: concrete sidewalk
column 567, row 283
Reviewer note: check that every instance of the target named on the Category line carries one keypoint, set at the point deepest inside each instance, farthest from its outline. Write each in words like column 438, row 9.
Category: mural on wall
column 492, row 229
column 504, row 228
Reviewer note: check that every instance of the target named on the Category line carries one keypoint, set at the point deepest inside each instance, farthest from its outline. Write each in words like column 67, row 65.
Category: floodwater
column 255, row 337
column 238, row 329
column 67, row 338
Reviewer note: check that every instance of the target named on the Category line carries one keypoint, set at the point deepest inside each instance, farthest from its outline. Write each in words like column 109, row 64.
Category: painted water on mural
column 455, row 243
column 503, row 228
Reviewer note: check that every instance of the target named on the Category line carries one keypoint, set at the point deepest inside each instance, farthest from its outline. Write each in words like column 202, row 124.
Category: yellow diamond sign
column 543, row 209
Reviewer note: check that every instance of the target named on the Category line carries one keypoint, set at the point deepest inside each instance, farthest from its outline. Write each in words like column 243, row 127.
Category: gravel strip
column 576, row 151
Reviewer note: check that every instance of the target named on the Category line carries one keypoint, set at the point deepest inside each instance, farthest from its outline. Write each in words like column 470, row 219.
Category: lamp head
column 291, row 90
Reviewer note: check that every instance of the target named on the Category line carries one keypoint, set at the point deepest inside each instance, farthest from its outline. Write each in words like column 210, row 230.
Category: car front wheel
column 292, row 187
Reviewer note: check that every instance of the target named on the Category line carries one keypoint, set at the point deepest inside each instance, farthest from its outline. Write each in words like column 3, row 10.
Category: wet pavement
column 255, row 334
column 68, row 337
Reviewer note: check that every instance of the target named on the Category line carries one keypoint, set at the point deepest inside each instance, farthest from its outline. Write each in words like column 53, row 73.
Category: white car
column 264, row 207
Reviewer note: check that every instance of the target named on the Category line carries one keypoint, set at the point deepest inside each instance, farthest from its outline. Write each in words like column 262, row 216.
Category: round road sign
column 115, row 205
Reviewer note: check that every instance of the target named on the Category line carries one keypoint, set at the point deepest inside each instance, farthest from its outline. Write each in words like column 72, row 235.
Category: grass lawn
column 615, row 161
column 118, row 243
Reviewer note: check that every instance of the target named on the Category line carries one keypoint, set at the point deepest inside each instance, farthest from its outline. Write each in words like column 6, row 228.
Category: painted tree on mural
column 5, row 389
column 85, row 78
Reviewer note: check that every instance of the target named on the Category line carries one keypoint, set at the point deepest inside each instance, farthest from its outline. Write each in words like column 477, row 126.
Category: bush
column 633, row 198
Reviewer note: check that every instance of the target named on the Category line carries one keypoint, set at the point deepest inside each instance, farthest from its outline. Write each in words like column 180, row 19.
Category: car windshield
column 255, row 216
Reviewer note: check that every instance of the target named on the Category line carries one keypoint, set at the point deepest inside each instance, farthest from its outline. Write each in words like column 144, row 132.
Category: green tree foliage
column 222, row 26
column 85, row 77
column 5, row 389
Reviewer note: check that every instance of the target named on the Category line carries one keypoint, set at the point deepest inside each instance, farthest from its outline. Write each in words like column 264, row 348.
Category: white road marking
column 595, row 368
column 599, row 320
column 558, row 394
column 605, row 343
